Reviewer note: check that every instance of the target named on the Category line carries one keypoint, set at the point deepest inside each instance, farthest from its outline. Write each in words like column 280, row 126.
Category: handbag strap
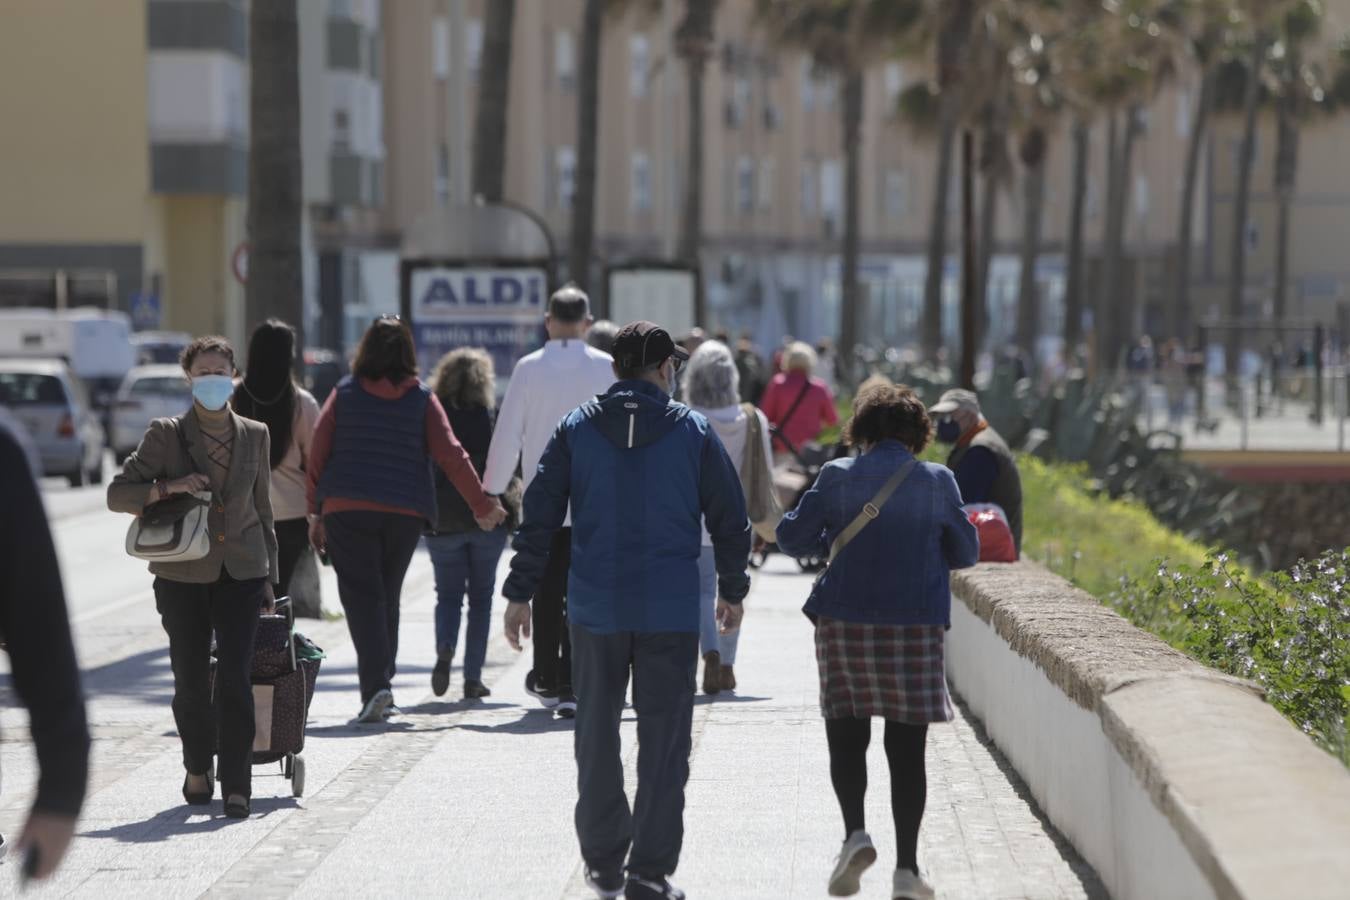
column 792, row 410
column 182, row 442
column 871, row 509
column 752, row 435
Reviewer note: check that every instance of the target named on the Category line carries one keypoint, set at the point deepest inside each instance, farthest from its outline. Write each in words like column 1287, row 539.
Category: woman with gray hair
column 712, row 387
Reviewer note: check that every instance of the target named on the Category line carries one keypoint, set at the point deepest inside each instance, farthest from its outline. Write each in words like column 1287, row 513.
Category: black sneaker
column 475, row 690
column 607, row 885
column 546, row 696
column 440, row 677
column 567, row 705
column 640, row 887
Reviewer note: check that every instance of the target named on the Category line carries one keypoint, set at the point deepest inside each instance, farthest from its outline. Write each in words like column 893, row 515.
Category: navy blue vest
column 380, row 450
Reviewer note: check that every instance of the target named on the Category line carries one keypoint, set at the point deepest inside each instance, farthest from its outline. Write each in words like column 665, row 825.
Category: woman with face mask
column 212, row 452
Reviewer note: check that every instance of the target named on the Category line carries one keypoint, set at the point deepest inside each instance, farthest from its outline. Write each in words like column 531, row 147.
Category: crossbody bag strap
column 871, row 509
column 795, row 404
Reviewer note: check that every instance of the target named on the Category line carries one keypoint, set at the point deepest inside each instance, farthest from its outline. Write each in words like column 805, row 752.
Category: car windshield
column 31, row 389
column 159, row 386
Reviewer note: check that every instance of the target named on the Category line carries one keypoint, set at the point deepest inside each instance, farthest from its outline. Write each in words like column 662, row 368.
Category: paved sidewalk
column 475, row 800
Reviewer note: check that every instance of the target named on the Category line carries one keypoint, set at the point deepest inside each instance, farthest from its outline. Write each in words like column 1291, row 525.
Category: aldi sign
column 498, row 309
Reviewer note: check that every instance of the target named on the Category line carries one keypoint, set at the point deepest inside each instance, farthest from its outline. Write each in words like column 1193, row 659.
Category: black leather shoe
column 440, row 677
column 237, row 807
column 200, row 798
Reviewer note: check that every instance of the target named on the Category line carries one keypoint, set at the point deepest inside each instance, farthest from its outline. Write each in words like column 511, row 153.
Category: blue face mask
column 212, row 391
column 948, row 431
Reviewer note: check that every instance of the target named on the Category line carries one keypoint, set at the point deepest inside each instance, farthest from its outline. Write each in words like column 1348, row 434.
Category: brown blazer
column 242, row 540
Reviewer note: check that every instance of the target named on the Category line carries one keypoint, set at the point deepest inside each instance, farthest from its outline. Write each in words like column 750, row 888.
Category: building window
column 342, row 130
column 807, row 188
column 473, row 44
column 745, row 185
column 772, row 117
column 764, row 193
column 1183, row 113
column 1141, row 195
column 440, row 48
column 895, row 85
column 808, row 83
column 831, row 192
column 640, row 183
column 637, row 66
column 1092, row 203
column 566, row 162
column 443, row 174
column 564, row 59
column 896, row 194
column 738, row 104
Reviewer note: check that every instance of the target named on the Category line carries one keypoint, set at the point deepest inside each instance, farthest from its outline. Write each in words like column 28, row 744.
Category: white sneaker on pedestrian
column 855, row 857
column 375, row 707
column 908, row 886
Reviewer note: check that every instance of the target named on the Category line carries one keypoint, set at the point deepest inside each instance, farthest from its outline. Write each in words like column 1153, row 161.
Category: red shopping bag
column 996, row 538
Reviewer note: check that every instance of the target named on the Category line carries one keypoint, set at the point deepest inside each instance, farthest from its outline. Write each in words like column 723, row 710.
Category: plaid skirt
column 892, row 671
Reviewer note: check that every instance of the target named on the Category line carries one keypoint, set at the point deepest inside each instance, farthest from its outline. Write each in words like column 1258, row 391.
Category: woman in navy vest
column 371, row 493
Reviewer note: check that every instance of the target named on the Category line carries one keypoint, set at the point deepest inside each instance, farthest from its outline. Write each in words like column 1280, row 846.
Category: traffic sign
column 145, row 311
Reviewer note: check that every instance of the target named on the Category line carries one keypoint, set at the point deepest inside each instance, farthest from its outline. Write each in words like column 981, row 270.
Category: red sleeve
column 320, row 445
column 446, row 450
column 830, row 413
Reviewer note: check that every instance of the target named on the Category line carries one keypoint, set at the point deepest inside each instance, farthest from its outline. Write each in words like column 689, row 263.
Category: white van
column 96, row 343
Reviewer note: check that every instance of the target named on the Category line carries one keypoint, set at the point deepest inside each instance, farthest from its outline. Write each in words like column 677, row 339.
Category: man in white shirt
column 545, row 386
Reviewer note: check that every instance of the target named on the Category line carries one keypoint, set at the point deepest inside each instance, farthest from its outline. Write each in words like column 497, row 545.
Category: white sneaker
column 855, row 857
column 908, row 886
column 375, row 707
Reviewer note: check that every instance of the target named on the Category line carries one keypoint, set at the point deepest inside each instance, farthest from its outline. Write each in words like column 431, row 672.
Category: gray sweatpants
column 663, row 666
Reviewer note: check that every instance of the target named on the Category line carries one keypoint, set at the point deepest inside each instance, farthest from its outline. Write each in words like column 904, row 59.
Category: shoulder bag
column 174, row 529
column 761, row 499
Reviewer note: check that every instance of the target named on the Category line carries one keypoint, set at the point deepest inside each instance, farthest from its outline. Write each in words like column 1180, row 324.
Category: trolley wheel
column 298, row 777
column 287, row 765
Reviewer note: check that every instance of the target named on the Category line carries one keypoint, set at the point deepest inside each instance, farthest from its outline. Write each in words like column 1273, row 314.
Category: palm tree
column 1237, row 272
column 843, row 37
column 494, row 91
column 1031, row 151
column 588, row 124
column 1073, row 267
column 275, row 286
column 694, row 44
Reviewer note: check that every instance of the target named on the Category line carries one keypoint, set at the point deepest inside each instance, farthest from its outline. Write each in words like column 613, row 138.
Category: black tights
column 848, row 739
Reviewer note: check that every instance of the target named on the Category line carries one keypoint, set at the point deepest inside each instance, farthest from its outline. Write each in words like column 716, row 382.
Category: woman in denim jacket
column 881, row 612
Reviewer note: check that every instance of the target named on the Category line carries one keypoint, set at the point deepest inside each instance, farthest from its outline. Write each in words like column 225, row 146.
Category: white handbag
column 173, row 530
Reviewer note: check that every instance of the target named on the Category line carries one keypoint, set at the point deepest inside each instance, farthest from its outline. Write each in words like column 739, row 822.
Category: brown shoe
column 712, row 672
column 728, row 679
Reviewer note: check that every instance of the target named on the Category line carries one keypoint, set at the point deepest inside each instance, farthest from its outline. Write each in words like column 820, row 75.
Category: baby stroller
column 285, row 669
column 791, row 482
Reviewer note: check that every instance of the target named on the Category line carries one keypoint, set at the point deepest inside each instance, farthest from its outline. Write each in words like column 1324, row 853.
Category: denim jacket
column 896, row 570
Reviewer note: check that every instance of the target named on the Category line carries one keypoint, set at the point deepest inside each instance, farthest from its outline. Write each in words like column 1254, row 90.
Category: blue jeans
column 465, row 560
column 709, row 638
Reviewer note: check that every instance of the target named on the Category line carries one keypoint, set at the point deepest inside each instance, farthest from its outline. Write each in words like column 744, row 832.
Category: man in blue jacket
column 642, row 473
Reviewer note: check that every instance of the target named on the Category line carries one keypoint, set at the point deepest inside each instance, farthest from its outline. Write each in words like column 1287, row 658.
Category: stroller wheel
column 298, row 777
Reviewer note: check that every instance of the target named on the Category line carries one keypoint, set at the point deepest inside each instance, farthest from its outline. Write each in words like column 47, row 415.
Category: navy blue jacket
column 642, row 473
column 896, row 570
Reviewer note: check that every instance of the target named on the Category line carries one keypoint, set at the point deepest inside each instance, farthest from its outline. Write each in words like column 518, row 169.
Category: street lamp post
column 480, row 200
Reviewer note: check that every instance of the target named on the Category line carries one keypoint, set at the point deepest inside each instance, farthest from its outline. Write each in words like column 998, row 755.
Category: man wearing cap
column 984, row 466
column 545, row 386
column 642, row 474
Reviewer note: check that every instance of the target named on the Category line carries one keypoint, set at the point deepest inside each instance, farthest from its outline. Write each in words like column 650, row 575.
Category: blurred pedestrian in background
column 464, row 556
column 371, row 494
column 46, row 677
column 211, row 449
column 643, row 474
column 881, row 611
column 712, row 385
column 268, row 394
column 545, row 386
column 984, row 465
column 800, row 405
column 601, row 335
column 752, row 370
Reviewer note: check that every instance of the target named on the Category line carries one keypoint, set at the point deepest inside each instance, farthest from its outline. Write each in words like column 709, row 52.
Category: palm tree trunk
column 969, row 313
column 275, row 286
column 1286, row 175
column 1237, row 274
column 588, row 123
column 850, row 312
column 1033, row 213
column 1104, row 317
column 494, row 91
column 1179, row 311
column 937, row 226
column 1073, row 278
column 694, row 42
column 988, row 239
column 1124, row 295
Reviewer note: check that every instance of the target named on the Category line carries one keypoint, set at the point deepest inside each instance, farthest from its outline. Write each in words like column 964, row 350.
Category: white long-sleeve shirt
column 545, row 386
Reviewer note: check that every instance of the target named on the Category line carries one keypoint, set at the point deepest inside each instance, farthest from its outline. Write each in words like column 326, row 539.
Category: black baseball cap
column 639, row 345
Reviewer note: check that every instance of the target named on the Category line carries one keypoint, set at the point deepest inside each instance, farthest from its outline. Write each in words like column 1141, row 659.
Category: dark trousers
column 371, row 552
column 848, row 739
column 190, row 613
column 663, row 666
column 292, row 542
column 552, row 644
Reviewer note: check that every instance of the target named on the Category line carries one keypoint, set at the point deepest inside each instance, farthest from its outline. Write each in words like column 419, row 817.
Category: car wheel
column 76, row 479
column 96, row 473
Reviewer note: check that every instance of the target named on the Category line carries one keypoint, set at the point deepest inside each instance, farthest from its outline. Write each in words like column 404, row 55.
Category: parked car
column 323, row 370
column 146, row 394
column 96, row 343
column 154, row 347
column 53, row 405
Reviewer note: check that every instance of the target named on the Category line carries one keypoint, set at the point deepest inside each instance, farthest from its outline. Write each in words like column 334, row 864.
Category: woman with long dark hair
column 268, row 394
column 371, row 493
